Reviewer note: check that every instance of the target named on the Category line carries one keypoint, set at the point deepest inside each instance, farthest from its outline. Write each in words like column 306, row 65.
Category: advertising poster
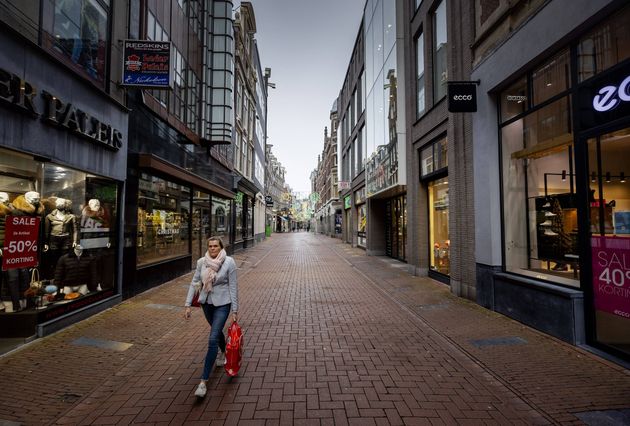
column 20, row 242
column 611, row 274
column 147, row 63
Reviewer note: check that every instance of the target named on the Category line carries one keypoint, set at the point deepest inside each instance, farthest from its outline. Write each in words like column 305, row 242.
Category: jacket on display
column 21, row 207
column 61, row 233
column 91, row 219
column 73, row 270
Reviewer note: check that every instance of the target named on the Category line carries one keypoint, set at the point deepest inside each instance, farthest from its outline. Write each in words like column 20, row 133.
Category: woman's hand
column 187, row 312
column 234, row 316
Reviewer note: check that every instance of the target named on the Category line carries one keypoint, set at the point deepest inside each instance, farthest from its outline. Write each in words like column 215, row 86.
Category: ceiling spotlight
column 593, row 177
column 564, row 175
column 607, row 177
column 622, row 177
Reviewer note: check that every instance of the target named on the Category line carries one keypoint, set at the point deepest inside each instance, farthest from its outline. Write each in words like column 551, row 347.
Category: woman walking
column 215, row 279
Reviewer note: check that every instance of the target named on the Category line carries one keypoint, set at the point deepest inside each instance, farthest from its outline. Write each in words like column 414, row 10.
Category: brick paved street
column 332, row 337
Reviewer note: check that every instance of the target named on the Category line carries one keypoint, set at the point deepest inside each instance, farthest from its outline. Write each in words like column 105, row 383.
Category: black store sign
column 604, row 98
column 269, row 201
column 462, row 96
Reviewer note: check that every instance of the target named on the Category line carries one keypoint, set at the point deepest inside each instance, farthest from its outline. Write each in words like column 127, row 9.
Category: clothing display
column 556, row 226
column 75, row 269
column 94, row 216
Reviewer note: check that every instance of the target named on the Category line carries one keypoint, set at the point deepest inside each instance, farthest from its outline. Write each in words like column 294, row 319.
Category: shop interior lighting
column 622, row 177
column 564, row 175
column 607, row 177
column 593, row 177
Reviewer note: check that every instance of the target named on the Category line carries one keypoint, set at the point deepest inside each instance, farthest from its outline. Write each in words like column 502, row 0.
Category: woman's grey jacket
column 224, row 289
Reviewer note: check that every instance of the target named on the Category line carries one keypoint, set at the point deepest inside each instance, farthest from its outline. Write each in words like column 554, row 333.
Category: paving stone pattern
column 331, row 336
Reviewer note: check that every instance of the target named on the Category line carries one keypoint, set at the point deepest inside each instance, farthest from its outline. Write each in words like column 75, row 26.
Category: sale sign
column 611, row 274
column 20, row 242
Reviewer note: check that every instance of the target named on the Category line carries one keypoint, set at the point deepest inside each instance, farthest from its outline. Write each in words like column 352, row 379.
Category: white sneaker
column 550, row 233
column 220, row 359
column 550, row 214
column 201, row 390
column 546, row 205
column 546, row 223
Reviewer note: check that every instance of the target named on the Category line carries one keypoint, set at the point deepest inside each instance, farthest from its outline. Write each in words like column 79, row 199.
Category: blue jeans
column 216, row 317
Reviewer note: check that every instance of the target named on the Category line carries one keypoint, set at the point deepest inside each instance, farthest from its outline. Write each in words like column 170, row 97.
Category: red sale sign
column 20, row 242
column 611, row 275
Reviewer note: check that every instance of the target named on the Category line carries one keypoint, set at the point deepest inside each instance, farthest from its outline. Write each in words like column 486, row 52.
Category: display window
column 396, row 230
column 163, row 220
column 200, row 224
column 238, row 214
column 58, row 230
column 250, row 218
column 362, row 225
column 439, row 239
column 609, row 203
column 540, row 214
column 221, row 218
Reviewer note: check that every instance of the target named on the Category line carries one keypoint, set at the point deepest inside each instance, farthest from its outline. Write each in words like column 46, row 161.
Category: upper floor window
column 420, row 102
column 79, row 35
column 418, row 3
column 440, row 71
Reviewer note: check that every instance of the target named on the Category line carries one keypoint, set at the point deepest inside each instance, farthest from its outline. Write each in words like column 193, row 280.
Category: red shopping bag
column 233, row 349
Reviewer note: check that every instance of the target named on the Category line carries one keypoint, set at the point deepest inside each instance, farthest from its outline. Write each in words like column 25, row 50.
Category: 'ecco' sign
column 609, row 97
column 462, row 96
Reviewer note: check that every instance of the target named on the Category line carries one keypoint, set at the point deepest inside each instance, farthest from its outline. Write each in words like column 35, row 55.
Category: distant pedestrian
column 215, row 279
column 308, row 227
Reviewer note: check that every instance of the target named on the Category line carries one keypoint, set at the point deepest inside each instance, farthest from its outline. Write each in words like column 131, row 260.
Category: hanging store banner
column 611, row 275
column 20, row 242
column 462, row 96
column 147, row 64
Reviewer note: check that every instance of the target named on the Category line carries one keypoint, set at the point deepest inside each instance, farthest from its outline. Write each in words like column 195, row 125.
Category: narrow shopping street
column 332, row 336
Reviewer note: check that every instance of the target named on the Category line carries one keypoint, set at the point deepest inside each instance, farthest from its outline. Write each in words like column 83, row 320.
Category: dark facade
column 180, row 184
column 62, row 163
column 552, row 149
column 440, row 149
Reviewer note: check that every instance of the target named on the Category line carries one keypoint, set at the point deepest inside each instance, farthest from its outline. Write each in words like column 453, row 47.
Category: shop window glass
column 74, row 249
column 163, row 220
column 250, row 217
column 609, row 160
column 552, row 78
column 514, row 100
column 605, row 46
column 440, row 47
column 221, row 218
column 238, row 213
column 200, row 224
column 362, row 225
column 79, row 34
column 440, row 243
column 540, row 207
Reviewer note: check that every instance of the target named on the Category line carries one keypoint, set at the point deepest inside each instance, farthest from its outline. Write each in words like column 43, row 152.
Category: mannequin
column 23, row 205
column 93, row 216
column 60, row 234
column 5, row 210
column 76, row 272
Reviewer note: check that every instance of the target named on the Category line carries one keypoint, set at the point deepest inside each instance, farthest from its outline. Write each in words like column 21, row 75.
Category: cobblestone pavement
column 331, row 336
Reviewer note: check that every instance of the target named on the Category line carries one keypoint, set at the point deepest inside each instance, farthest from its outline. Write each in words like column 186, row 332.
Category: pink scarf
column 209, row 274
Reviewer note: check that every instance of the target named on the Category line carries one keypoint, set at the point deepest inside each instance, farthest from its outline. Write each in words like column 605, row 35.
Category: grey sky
column 307, row 44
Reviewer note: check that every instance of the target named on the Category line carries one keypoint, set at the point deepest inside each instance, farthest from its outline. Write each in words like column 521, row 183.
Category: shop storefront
column 396, row 227
column 434, row 175
column 361, row 215
column 565, row 155
column 62, row 168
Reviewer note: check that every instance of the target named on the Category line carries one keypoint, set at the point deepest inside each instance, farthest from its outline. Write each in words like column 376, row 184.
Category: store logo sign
column 22, row 95
column 462, row 96
column 609, row 97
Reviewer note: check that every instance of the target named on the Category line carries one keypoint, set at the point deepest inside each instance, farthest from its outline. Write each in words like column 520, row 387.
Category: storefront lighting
column 564, row 175
column 607, row 177
column 622, row 177
column 593, row 177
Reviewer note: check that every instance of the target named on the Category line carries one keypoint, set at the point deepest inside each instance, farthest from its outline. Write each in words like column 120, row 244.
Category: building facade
column 552, row 149
column 179, row 179
column 327, row 208
column 440, row 149
column 63, row 163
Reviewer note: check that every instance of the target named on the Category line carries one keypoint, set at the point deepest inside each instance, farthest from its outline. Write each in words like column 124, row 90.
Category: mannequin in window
column 28, row 204
column 61, row 233
column 75, row 272
column 93, row 216
column 5, row 210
